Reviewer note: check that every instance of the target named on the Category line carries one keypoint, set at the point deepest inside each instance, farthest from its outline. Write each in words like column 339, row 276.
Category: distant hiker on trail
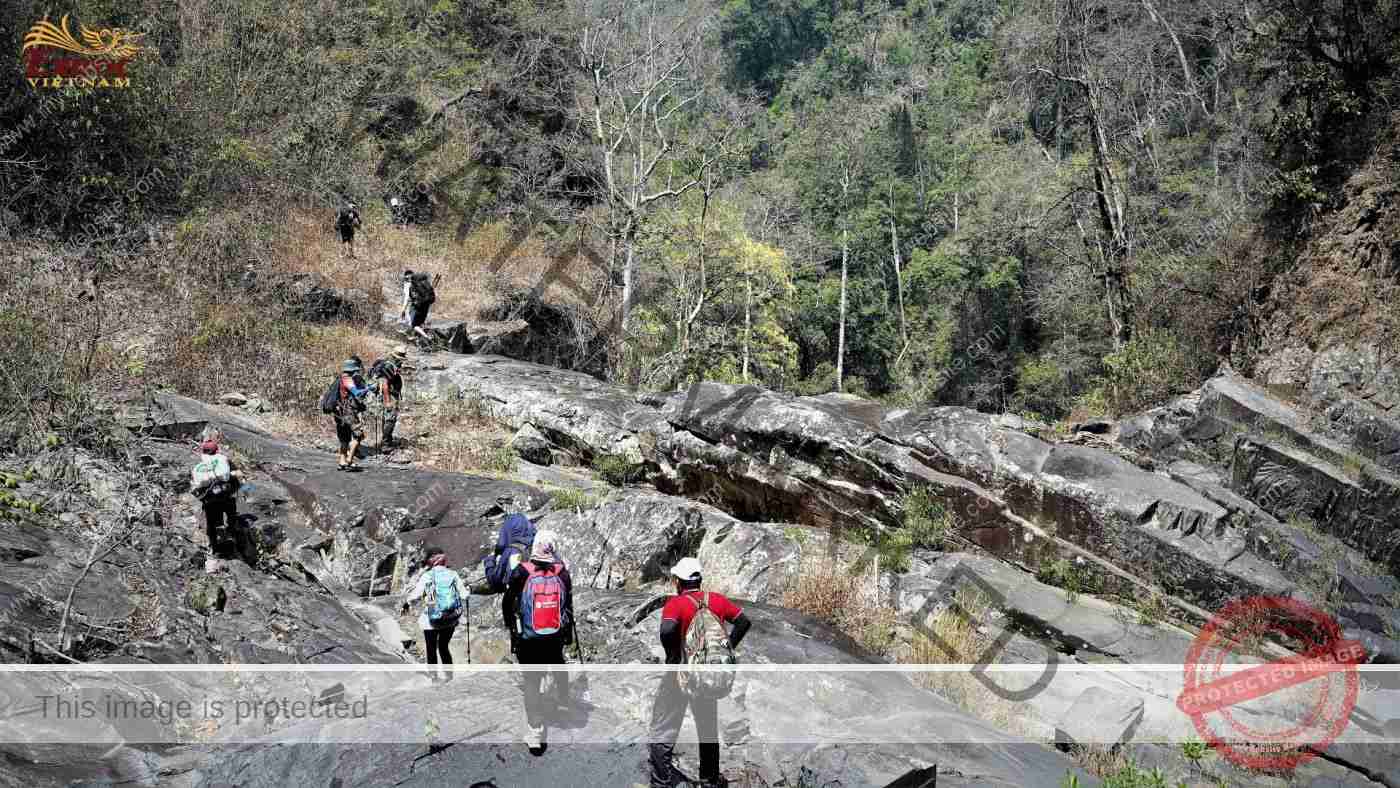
column 346, row 400
column 346, row 222
column 445, row 602
column 418, row 298
column 390, row 370
column 692, row 632
column 512, row 546
column 538, row 609
column 214, row 481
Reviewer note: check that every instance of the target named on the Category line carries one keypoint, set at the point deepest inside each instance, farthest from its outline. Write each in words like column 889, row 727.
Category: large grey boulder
column 1099, row 716
column 633, row 537
column 532, row 446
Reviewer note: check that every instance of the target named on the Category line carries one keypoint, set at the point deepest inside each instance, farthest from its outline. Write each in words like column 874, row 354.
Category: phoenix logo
column 101, row 59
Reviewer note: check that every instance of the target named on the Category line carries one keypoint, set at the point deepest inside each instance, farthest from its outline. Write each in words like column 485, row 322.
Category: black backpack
column 421, row 290
column 332, row 396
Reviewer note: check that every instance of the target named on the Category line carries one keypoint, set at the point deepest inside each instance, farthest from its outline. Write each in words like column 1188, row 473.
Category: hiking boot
column 534, row 738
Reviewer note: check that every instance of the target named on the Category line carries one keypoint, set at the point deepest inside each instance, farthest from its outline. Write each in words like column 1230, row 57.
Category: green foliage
column 1150, row 368
column 927, row 519
column 1068, row 575
column 1132, row 776
column 618, row 470
column 501, row 458
column 1151, row 609
column 573, row 499
column 1194, row 750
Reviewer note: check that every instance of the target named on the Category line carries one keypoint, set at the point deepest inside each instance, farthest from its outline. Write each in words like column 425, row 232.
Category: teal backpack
column 444, row 603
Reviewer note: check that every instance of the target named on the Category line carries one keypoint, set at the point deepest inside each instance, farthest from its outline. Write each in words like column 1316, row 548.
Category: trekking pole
column 578, row 644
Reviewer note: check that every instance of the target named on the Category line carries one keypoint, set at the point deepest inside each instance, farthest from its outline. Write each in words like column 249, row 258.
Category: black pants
column 542, row 651
column 667, row 715
column 418, row 315
column 217, row 511
column 436, row 641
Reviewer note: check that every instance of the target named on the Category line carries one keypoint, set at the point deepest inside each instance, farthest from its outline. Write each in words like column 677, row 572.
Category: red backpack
column 542, row 603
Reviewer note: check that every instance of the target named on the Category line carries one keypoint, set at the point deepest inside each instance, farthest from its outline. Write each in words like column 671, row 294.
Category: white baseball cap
column 686, row 568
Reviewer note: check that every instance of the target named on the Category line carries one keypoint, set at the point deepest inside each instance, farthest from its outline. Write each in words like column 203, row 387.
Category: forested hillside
column 1060, row 207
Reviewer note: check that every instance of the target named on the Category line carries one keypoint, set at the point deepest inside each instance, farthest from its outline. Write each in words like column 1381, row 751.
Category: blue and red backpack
column 542, row 602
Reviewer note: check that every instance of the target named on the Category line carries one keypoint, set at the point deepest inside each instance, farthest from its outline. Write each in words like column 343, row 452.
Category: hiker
column 349, row 407
column 346, row 222
column 398, row 210
column 538, row 609
column 445, row 602
column 390, row 370
column 418, row 295
column 692, row 626
column 214, row 481
column 512, row 546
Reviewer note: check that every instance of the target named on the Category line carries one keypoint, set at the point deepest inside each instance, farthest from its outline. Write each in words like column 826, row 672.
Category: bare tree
column 643, row 67
column 103, row 540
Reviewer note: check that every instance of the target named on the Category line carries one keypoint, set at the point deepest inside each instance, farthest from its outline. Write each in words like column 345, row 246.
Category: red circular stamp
column 1270, row 716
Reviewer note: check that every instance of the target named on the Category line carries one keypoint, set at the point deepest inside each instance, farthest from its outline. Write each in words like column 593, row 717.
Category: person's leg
column 561, row 676
column 357, row 434
column 444, row 649
column 229, row 509
column 529, row 654
column 342, row 434
column 430, row 647
column 212, row 515
column 420, row 316
column 667, row 714
column 391, row 420
column 707, row 728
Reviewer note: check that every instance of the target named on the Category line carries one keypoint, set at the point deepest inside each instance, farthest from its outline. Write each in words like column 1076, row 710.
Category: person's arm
column 671, row 640
column 734, row 615
column 404, row 309
column 568, row 591
column 462, row 592
column 568, row 604
column 419, row 588
column 514, row 586
column 738, row 627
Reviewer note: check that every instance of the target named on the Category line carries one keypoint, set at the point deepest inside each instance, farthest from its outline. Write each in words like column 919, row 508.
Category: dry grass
column 828, row 590
column 960, row 633
column 467, row 287
column 457, row 435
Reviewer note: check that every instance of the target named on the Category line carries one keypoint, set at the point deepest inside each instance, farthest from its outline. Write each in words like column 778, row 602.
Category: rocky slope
column 1198, row 500
column 1226, row 493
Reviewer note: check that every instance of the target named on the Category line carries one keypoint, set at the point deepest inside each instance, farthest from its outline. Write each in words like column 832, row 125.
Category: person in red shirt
column 668, row 711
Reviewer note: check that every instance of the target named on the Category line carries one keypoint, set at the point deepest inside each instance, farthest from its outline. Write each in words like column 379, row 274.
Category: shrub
column 573, row 499
column 1066, row 574
column 1152, row 367
column 845, row 599
column 501, row 458
column 617, row 470
column 927, row 520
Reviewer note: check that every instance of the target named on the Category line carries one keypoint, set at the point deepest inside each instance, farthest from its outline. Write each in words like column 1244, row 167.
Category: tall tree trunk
column 748, row 323
column 899, row 278
column 690, row 315
column 1111, row 202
